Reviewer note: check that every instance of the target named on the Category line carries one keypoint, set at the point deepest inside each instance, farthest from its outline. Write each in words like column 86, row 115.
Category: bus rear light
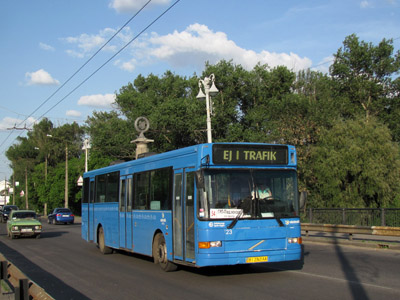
column 207, row 245
column 297, row 240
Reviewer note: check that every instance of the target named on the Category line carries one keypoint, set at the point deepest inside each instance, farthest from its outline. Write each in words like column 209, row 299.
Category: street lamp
column 210, row 90
column 86, row 147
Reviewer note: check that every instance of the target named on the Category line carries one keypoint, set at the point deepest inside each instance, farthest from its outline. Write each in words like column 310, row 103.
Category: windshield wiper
column 279, row 222
column 233, row 223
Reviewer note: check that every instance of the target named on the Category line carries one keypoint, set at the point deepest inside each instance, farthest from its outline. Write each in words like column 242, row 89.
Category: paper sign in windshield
column 224, row 213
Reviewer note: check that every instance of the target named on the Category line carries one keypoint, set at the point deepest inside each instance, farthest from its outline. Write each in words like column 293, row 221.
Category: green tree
column 356, row 164
column 111, row 138
column 23, row 157
column 170, row 105
column 364, row 74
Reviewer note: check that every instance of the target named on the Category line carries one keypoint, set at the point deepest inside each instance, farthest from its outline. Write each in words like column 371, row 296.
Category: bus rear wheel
column 102, row 245
column 160, row 254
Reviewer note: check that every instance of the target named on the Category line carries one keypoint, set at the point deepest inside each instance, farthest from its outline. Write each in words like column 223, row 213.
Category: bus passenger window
column 141, row 191
column 160, row 186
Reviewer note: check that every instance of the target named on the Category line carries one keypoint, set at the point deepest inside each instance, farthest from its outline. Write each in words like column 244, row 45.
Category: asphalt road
column 68, row 267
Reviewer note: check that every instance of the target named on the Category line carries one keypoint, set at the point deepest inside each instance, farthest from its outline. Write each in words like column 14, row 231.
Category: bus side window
column 160, row 186
column 141, row 191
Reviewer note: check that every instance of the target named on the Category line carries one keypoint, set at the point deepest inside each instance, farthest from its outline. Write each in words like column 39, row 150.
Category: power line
column 111, row 58
column 77, row 71
column 105, row 63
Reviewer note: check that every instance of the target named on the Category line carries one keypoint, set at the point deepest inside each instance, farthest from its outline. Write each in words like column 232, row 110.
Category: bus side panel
column 84, row 226
column 106, row 215
column 145, row 224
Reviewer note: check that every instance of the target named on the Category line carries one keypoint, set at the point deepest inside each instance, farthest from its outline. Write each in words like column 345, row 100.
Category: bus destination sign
column 236, row 154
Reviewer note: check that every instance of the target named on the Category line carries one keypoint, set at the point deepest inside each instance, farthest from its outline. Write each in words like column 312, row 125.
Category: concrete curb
column 365, row 243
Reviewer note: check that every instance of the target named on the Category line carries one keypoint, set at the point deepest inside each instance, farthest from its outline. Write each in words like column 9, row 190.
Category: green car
column 23, row 223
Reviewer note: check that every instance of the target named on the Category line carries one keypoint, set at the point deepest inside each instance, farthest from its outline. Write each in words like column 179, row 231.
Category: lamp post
column 210, row 90
column 66, row 172
column 86, row 147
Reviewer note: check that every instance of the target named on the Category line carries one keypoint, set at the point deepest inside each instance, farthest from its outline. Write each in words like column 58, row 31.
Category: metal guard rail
column 18, row 284
column 351, row 229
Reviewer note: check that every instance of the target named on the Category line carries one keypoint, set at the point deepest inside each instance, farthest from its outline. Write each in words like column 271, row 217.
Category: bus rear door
column 183, row 215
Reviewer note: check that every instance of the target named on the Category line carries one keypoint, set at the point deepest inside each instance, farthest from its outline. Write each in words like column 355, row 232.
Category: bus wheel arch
column 160, row 253
column 101, row 242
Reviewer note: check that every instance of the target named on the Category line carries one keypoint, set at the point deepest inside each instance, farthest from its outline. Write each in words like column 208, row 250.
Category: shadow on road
column 355, row 285
column 51, row 284
column 249, row 268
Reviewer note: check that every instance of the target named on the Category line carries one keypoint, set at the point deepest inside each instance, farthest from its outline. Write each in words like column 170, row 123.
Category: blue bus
column 206, row 205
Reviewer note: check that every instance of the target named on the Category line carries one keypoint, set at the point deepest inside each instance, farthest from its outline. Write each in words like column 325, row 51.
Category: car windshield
column 24, row 215
column 248, row 194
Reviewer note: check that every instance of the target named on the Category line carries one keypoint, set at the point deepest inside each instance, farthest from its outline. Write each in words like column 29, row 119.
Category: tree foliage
column 345, row 126
column 356, row 164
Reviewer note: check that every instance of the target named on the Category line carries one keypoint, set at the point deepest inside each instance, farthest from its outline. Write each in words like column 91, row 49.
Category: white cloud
column 8, row 122
column 366, row 4
column 73, row 113
column 191, row 48
column 40, row 77
column 129, row 6
column 87, row 44
column 129, row 66
column 100, row 101
column 46, row 47
column 197, row 44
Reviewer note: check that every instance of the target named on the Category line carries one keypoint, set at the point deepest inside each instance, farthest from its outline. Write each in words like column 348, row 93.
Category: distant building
column 4, row 195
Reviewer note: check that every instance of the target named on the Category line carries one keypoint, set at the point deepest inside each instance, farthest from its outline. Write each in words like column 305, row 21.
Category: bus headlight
column 207, row 245
column 296, row 240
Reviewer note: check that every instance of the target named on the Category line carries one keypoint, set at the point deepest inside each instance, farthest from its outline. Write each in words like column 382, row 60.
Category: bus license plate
column 257, row 259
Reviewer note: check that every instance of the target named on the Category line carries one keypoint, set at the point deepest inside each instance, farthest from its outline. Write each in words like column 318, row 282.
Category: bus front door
column 125, row 212
column 183, row 215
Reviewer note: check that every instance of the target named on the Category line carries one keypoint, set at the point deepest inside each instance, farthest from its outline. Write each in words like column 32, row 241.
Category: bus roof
column 196, row 156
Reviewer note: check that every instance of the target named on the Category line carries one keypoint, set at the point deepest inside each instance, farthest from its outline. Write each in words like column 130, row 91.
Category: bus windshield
column 250, row 193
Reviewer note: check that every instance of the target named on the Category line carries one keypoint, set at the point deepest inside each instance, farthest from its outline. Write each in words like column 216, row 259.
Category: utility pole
column 66, row 176
column 26, row 188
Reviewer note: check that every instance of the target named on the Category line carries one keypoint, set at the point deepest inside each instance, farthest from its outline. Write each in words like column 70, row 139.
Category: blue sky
column 44, row 42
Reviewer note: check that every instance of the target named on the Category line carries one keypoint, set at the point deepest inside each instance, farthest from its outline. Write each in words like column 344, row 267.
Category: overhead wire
column 98, row 69
column 111, row 58
column 77, row 71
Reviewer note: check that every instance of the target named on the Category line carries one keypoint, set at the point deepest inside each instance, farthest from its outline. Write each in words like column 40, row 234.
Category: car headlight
column 15, row 228
column 37, row 227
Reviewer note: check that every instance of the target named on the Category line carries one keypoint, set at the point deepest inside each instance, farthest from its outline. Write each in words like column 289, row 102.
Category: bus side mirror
column 303, row 199
column 200, row 179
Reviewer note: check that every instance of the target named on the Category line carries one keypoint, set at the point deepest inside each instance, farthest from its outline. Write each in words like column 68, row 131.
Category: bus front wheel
column 160, row 254
column 102, row 245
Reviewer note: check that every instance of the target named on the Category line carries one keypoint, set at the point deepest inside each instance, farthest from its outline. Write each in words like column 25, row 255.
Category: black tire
column 160, row 254
column 53, row 221
column 49, row 221
column 101, row 242
column 37, row 236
